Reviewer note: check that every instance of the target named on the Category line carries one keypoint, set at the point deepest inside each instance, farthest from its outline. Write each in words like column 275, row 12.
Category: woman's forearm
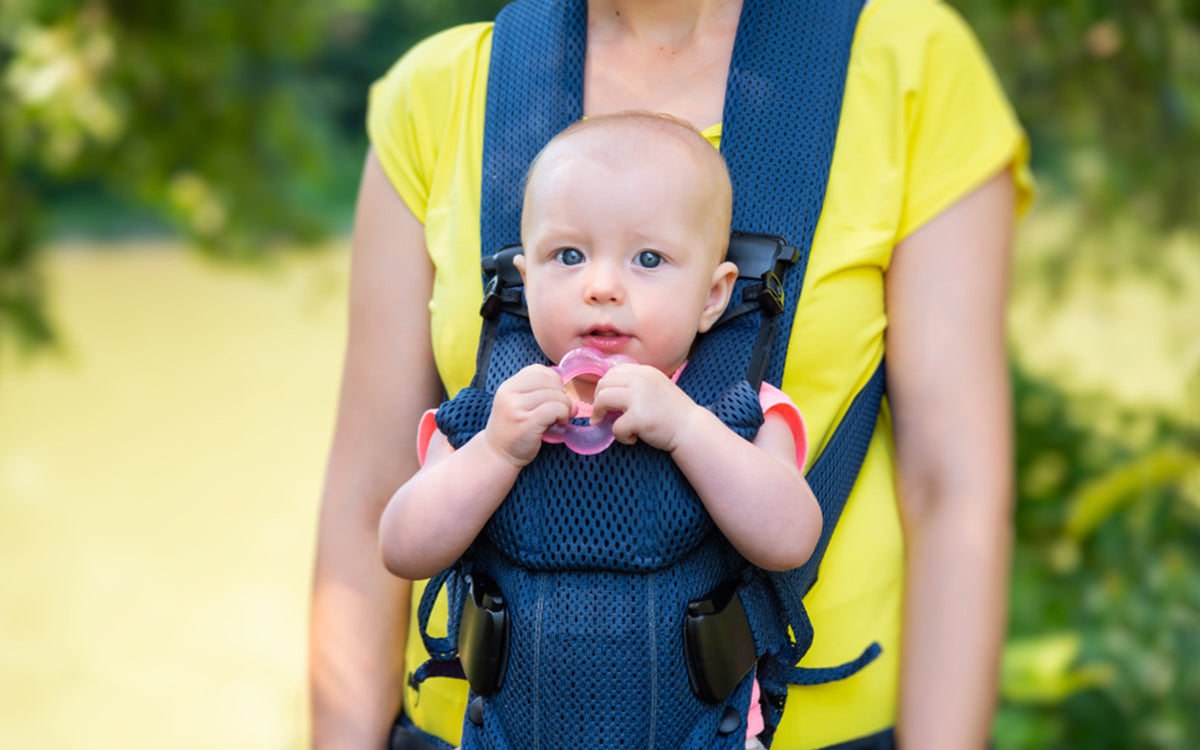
column 955, row 611
column 358, row 624
column 951, row 407
column 359, row 617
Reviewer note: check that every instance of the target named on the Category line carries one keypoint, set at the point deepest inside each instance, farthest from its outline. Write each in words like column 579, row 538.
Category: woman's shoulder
column 921, row 48
column 415, row 109
column 911, row 28
column 444, row 56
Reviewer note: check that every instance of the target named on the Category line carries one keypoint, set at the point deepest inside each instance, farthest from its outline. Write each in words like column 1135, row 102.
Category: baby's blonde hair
column 633, row 137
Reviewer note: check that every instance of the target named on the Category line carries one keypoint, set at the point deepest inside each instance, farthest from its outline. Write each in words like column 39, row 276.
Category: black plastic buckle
column 493, row 300
column 502, row 273
column 483, row 635
column 718, row 642
column 771, row 293
column 765, row 257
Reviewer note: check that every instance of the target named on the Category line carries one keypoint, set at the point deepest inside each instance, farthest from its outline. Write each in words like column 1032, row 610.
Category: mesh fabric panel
column 598, row 657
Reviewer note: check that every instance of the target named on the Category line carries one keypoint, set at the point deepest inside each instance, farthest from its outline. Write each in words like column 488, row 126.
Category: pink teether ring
column 585, row 439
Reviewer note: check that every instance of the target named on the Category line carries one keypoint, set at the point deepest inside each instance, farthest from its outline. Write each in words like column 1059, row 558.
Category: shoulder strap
column 534, row 90
column 783, row 102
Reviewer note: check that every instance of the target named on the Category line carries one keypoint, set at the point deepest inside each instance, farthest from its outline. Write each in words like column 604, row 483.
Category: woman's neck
column 660, row 55
column 676, row 24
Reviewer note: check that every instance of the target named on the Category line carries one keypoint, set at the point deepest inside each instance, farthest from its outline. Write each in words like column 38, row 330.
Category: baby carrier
column 601, row 607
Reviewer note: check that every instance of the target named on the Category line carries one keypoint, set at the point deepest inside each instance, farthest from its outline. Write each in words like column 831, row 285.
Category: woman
column 911, row 256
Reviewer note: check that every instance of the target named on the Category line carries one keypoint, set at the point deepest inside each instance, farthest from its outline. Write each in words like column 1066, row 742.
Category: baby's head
column 625, row 228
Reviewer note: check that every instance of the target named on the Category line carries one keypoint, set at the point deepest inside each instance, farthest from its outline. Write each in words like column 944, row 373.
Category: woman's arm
column 948, row 387
column 359, row 611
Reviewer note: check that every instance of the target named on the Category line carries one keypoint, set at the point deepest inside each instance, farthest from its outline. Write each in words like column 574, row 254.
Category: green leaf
column 1041, row 669
column 1101, row 497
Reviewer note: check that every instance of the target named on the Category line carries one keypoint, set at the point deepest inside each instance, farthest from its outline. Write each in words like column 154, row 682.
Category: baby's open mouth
column 606, row 339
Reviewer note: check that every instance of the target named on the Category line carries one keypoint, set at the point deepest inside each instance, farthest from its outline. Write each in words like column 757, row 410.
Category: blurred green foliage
column 240, row 125
column 1105, row 639
column 1110, row 92
column 1104, row 646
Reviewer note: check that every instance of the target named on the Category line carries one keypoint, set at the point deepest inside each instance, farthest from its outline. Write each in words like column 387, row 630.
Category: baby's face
column 621, row 259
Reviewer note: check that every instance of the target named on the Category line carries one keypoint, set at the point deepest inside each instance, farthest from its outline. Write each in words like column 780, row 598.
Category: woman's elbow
column 982, row 499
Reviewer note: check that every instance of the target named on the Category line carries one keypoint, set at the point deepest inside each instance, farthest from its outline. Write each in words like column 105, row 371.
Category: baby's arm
column 755, row 492
column 434, row 517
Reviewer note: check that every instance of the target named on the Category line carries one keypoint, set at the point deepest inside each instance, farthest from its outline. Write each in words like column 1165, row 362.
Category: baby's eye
column 648, row 259
column 569, row 256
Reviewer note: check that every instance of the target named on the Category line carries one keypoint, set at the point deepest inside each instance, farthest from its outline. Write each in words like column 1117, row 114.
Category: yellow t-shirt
column 924, row 122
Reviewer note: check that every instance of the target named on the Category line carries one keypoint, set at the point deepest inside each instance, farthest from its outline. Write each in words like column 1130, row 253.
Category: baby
column 625, row 225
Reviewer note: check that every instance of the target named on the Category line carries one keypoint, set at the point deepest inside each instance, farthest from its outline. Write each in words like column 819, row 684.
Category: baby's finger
column 610, row 396
column 624, row 430
column 603, row 395
column 547, row 378
column 551, row 412
column 535, row 377
column 618, row 376
column 528, row 402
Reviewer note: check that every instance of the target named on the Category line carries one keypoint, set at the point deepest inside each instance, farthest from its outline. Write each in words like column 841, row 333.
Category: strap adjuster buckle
column 492, row 299
column 770, row 295
column 718, row 643
column 483, row 635
column 764, row 257
column 501, row 273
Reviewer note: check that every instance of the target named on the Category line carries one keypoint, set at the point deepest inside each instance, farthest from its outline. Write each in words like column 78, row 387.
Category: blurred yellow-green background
column 176, row 182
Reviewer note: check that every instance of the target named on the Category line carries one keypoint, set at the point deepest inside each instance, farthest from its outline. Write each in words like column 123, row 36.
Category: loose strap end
column 823, row 675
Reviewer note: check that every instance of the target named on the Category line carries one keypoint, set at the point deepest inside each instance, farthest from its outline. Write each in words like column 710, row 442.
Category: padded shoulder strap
column 535, row 90
column 783, row 103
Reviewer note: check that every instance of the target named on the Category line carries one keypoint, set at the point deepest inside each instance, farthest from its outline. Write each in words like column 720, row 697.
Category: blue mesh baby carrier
column 601, row 607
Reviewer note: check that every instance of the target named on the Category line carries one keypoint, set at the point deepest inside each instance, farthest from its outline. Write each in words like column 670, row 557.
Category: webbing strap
column 822, row 675
column 451, row 579
column 831, row 477
column 833, row 474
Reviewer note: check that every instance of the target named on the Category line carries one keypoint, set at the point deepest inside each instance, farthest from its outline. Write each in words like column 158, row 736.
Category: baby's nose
column 604, row 285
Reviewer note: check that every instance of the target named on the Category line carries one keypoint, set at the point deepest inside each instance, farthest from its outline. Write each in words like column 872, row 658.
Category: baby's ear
column 718, row 295
column 519, row 264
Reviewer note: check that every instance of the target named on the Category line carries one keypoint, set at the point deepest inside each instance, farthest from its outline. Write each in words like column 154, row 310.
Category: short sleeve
column 776, row 402
column 960, row 128
column 409, row 107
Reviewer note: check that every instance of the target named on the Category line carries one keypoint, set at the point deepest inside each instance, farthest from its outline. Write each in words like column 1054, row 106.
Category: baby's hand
column 654, row 409
column 524, row 406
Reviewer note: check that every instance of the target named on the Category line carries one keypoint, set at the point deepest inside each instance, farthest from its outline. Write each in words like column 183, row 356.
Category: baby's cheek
column 547, row 341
